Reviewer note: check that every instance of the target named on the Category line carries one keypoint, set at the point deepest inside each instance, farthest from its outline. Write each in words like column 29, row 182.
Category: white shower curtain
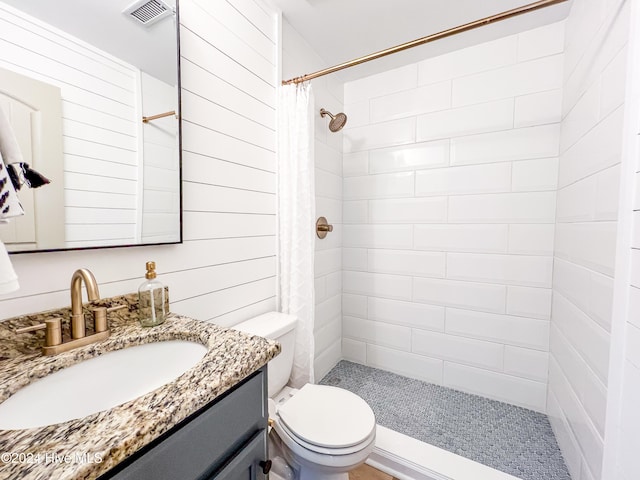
column 296, row 221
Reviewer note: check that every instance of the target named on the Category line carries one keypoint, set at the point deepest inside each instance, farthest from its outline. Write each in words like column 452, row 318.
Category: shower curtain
column 296, row 221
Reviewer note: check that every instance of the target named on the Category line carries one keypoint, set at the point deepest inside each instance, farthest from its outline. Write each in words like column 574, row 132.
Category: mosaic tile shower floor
column 502, row 436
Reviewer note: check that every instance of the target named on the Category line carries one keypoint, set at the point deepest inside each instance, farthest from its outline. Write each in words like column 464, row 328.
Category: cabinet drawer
column 203, row 443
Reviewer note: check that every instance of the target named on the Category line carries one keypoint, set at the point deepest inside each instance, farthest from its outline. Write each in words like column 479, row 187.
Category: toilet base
column 293, row 469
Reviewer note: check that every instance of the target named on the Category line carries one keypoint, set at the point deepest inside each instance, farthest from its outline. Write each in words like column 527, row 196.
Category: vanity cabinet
column 225, row 440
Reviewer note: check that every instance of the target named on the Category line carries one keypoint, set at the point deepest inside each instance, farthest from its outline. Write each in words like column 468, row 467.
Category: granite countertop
column 110, row 436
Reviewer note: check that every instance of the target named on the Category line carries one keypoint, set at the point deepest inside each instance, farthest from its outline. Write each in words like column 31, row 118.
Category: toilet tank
column 280, row 327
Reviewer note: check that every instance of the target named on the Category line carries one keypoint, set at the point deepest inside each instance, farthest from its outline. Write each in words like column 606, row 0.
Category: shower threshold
column 429, row 432
column 406, row 458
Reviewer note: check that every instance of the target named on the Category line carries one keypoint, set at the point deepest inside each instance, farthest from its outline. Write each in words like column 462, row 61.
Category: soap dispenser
column 151, row 299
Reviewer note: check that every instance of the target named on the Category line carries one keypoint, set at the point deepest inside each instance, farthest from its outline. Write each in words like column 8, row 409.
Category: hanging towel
column 19, row 172
column 9, row 153
column 8, row 277
column 22, row 174
column 9, row 202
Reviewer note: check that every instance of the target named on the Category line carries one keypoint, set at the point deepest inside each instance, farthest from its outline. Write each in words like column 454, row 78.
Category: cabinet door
column 204, row 443
column 246, row 464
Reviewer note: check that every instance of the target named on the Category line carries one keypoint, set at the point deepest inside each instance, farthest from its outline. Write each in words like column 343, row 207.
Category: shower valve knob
column 323, row 227
column 266, row 466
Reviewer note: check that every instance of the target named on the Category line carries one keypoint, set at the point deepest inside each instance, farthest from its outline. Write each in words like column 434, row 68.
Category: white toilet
column 323, row 432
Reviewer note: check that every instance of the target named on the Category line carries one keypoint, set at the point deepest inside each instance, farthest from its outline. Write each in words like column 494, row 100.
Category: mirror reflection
column 77, row 77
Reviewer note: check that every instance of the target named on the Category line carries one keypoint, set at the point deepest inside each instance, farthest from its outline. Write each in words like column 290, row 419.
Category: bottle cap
column 151, row 270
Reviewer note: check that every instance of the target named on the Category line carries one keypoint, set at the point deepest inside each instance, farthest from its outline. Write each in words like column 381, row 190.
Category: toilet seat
column 281, row 428
column 327, row 420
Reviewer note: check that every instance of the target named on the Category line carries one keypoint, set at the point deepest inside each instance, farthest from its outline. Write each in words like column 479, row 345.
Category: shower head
column 337, row 121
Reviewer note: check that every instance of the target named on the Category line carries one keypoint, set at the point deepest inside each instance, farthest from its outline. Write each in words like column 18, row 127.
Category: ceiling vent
column 148, row 12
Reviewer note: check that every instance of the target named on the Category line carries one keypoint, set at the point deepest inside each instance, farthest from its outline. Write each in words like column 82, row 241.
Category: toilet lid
column 328, row 416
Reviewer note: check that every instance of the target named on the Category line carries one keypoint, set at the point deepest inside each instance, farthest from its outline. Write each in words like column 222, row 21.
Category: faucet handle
column 53, row 334
column 117, row 307
column 100, row 322
column 32, row 328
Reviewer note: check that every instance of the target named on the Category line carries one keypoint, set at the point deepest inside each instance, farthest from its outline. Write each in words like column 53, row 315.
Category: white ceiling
column 340, row 30
column 101, row 23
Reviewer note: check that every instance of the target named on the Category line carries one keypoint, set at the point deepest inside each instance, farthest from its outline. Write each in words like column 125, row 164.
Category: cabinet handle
column 266, row 466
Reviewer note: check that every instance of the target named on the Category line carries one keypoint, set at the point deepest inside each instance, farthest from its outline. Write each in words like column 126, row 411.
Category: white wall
column 225, row 269
column 100, row 114
column 620, row 459
column 586, row 230
column 622, row 434
column 450, row 170
column 299, row 58
column 623, row 420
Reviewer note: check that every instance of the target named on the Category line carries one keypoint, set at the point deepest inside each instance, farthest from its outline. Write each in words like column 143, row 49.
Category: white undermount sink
column 98, row 384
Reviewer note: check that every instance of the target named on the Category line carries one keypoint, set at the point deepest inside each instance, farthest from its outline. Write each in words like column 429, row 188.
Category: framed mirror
column 91, row 92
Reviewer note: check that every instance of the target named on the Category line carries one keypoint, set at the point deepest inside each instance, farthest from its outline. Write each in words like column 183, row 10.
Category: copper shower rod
column 160, row 115
column 429, row 38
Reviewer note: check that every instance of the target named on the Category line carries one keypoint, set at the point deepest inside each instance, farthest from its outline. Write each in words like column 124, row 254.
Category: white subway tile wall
column 450, row 175
column 586, row 229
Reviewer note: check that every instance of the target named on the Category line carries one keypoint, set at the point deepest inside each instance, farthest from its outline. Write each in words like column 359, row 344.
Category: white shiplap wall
column 99, row 125
column 450, row 171
column 225, row 269
column 299, row 57
column 587, row 230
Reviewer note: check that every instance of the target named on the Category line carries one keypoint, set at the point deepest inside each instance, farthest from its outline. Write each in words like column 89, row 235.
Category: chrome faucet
column 77, row 315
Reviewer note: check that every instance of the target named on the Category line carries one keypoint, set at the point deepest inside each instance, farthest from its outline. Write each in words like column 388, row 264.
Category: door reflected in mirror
column 76, row 79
